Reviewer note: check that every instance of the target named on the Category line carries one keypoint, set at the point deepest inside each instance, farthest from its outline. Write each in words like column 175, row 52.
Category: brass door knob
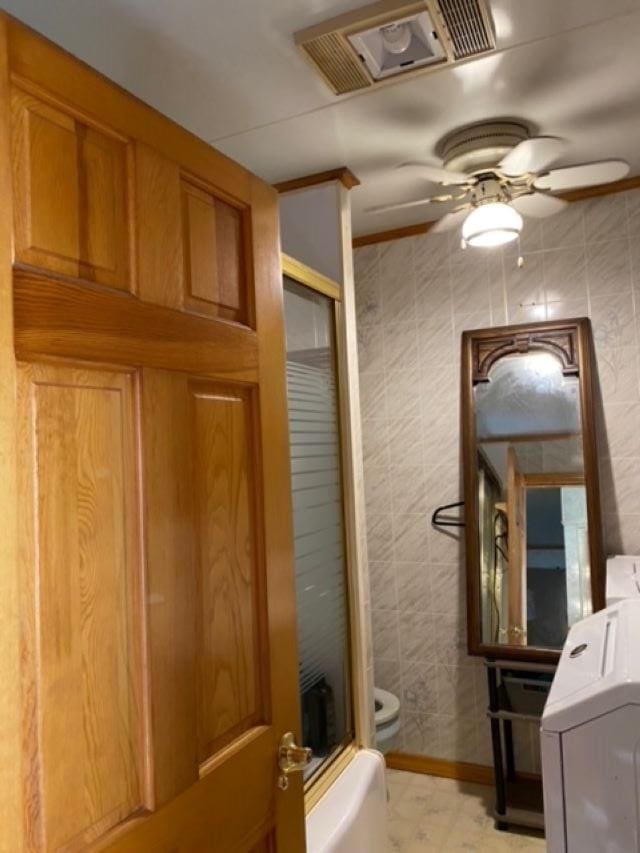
column 291, row 758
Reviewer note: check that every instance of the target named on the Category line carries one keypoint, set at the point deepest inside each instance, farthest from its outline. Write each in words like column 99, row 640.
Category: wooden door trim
column 59, row 318
column 276, row 473
column 11, row 808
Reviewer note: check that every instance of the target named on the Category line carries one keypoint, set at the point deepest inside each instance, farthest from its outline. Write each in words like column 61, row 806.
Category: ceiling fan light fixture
column 492, row 224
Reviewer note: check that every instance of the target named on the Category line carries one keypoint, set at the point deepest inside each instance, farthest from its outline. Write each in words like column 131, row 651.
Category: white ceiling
column 228, row 70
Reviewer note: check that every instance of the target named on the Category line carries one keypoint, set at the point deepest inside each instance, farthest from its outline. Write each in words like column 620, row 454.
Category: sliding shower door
column 321, row 570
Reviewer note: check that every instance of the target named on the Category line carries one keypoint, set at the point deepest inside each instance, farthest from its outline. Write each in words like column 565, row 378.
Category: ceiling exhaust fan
column 496, row 173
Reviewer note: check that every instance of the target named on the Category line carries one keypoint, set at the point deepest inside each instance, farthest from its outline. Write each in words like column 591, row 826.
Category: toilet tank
column 352, row 816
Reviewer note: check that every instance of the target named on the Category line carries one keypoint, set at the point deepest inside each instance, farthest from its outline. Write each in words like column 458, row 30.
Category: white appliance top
column 623, row 578
column 599, row 668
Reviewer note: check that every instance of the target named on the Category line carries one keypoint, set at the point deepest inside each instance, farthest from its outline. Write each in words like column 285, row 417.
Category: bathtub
column 352, row 815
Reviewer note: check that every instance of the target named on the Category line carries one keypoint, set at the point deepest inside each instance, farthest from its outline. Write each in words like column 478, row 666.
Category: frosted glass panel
column 527, row 394
column 321, row 587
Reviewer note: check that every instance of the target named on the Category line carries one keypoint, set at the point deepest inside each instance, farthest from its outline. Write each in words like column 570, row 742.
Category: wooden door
column 155, row 620
column 517, row 536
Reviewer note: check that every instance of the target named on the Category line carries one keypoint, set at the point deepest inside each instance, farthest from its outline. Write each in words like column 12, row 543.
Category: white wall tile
column 414, row 586
column 417, row 637
column 415, row 297
column 609, row 267
column 386, row 640
column 419, row 687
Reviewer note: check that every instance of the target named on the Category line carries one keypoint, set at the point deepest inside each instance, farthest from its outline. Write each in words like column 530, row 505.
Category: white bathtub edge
column 352, row 814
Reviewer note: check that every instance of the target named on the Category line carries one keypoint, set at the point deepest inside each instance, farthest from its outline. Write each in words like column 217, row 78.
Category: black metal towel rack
column 447, row 521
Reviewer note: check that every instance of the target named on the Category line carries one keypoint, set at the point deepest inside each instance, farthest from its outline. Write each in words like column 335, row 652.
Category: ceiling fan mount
column 480, row 145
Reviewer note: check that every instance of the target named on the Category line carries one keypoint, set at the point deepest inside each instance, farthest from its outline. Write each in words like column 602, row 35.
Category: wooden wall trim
column 463, row 771
column 393, row 234
column 300, row 272
column 344, row 175
column 603, row 189
column 424, row 227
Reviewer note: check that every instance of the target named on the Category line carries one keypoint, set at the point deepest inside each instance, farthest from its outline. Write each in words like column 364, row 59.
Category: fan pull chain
column 520, row 260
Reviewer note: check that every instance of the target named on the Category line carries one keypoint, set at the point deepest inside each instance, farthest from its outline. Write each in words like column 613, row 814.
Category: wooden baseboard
column 461, row 770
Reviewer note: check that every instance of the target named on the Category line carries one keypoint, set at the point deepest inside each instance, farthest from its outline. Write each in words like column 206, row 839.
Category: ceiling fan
column 496, row 173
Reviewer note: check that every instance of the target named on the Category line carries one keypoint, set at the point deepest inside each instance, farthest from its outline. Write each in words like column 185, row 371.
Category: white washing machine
column 591, row 732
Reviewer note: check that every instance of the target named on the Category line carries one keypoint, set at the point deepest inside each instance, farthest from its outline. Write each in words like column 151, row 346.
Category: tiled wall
column 414, row 298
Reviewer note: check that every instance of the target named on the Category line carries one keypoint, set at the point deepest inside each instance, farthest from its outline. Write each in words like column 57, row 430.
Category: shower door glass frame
column 343, row 752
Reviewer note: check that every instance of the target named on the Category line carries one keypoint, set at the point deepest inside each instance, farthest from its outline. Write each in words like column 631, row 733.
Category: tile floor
column 427, row 814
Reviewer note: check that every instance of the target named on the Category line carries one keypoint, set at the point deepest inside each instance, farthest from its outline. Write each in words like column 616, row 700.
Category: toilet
column 387, row 719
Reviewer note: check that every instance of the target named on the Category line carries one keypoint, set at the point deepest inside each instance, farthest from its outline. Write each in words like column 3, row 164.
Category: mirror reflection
column 534, row 545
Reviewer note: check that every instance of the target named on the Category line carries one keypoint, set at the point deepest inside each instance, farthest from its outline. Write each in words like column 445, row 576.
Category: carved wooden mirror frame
column 571, row 342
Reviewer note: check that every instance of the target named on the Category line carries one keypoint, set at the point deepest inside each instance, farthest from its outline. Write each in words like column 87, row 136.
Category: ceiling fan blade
column 451, row 221
column 587, row 175
column 437, row 174
column 532, row 155
column 538, row 205
column 403, row 205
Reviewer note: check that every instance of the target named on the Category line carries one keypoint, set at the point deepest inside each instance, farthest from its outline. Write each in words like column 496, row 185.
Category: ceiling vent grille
column 469, row 27
column 336, row 62
column 356, row 51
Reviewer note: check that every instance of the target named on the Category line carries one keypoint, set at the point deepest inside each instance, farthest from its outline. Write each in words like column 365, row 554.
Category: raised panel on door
column 209, row 653
column 233, row 663
column 81, row 608
column 214, row 254
column 208, row 650
column 71, row 204
column 171, row 580
column 194, row 244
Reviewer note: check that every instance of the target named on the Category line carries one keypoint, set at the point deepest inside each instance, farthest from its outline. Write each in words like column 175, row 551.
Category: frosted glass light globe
column 491, row 224
column 396, row 37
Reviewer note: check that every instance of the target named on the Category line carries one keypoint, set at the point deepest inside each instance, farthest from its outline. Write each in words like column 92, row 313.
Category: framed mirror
column 534, row 548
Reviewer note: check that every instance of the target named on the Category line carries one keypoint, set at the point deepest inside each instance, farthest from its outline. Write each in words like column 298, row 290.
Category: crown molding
column 423, row 227
column 344, row 175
